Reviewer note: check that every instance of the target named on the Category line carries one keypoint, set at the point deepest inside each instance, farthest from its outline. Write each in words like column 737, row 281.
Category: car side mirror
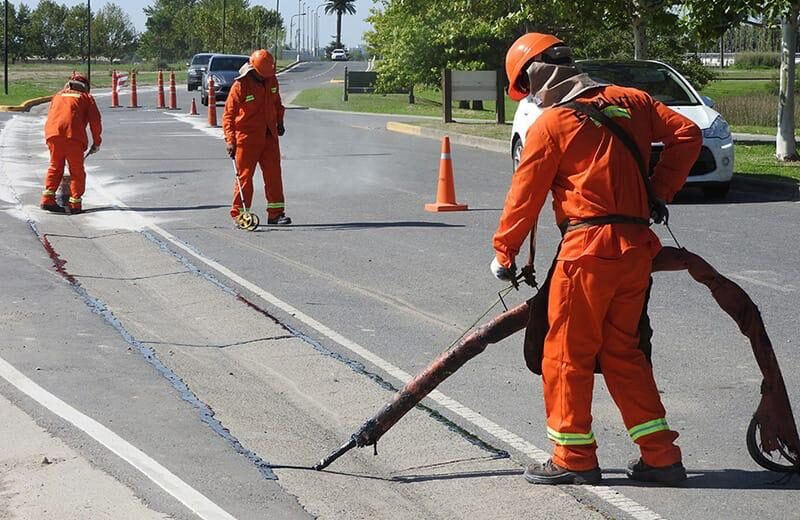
column 707, row 101
column 187, row 64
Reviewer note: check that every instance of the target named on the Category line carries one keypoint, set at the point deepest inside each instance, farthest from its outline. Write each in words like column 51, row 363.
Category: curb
column 787, row 190
column 485, row 143
column 790, row 190
column 26, row 105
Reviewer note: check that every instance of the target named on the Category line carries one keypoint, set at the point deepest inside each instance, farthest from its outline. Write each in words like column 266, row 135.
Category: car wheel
column 516, row 152
column 716, row 191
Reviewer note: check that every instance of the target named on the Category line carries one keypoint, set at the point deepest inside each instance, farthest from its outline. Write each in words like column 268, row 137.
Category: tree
column 170, row 34
column 75, row 28
column 48, row 30
column 340, row 7
column 714, row 18
column 264, row 22
column 113, row 33
column 20, row 45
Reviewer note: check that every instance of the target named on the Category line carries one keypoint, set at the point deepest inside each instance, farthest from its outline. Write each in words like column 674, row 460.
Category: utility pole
column 277, row 25
column 224, row 5
column 5, row 48
column 89, row 42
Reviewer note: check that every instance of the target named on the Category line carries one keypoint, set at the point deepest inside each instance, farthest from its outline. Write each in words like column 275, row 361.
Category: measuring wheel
column 781, row 459
column 247, row 220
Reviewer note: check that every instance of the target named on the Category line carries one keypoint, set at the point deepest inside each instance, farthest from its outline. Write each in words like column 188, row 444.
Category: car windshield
column 227, row 62
column 201, row 59
column 654, row 78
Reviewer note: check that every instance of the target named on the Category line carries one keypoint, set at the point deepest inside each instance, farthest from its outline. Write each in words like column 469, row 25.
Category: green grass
column 428, row 103
column 759, row 160
column 31, row 80
column 729, row 73
column 493, row 131
column 754, row 129
column 719, row 89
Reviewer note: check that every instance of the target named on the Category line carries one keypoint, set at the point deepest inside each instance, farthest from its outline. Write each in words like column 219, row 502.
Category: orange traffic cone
column 446, row 193
column 160, row 90
column 193, row 110
column 114, row 90
column 212, row 103
column 134, row 96
column 173, row 96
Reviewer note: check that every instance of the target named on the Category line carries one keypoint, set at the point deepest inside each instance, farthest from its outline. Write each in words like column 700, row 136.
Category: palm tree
column 340, row 7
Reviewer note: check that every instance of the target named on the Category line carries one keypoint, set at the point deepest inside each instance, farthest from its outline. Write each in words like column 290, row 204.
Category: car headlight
column 719, row 129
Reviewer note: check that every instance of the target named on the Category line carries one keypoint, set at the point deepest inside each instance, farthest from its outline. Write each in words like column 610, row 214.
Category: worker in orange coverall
column 602, row 271
column 252, row 123
column 71, row 110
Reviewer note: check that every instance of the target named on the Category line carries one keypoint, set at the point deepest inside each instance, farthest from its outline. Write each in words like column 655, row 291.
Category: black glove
column 281, row 129
column 659, row 212
column 230, row 149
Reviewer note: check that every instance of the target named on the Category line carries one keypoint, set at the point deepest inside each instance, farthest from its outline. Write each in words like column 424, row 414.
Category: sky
column 353, row 26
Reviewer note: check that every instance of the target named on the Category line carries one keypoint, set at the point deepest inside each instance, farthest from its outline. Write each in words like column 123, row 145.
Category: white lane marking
column 607, row 494
column 321, row 73
column 160, row 475
column 611, row 496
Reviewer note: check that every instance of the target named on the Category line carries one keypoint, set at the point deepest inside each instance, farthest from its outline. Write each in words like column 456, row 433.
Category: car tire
column 716, row 191
column 516, row 153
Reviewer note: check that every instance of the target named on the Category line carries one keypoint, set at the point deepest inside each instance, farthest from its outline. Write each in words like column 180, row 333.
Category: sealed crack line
column 100, row 308
column 354, row 365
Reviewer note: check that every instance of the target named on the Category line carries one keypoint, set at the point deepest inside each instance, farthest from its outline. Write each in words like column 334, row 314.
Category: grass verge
column 759, row 160
column 428, row 103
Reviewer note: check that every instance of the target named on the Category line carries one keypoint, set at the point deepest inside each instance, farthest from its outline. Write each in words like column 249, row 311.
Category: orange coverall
column 602, row 272
column 65, row 133
column 253, row 113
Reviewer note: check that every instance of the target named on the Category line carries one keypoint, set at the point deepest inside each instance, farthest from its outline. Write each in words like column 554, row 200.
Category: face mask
column 555, row 84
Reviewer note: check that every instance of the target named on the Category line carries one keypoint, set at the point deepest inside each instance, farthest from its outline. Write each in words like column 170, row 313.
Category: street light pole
column 316, row 28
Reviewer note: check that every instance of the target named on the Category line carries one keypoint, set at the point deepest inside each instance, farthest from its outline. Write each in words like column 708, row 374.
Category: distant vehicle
column 338, row 55
column 713, row 169
column 223, row 68
column 194, row 76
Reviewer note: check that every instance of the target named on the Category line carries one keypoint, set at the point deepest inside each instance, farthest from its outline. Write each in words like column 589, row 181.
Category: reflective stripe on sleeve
column 567, row 439
column 640, row 430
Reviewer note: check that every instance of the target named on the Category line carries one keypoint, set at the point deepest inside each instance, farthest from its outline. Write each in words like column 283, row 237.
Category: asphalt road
column 365, row 287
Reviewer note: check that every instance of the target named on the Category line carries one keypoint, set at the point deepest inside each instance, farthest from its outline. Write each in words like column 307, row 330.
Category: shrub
column 753, row 110
column 757, row 60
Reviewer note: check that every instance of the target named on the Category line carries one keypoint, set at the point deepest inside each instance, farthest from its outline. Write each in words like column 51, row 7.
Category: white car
column 338, row 55
column 713, row 170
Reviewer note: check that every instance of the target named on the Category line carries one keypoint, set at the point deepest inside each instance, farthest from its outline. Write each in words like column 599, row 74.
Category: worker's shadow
column 740, row 193
column 716, row 479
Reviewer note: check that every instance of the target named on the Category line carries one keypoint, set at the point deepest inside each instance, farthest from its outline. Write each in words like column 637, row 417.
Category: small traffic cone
column 212, row 103
column 446, row 192
column 160, row 90
column 193, row 109
column 173, row 96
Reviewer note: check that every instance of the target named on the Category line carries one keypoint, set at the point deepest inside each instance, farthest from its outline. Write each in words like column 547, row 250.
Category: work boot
column 669, row 475
column 280, row 220
column 75, row 209
column 53, row 208
column 552, row 473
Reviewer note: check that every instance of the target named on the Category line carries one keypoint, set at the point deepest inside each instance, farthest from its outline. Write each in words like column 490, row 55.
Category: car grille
column 705, row 162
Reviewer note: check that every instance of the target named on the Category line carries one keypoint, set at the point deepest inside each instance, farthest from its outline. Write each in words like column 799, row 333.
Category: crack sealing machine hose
column 772, row 438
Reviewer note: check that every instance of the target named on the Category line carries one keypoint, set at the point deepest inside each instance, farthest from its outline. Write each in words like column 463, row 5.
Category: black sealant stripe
column 99, row 307
column 316, row 345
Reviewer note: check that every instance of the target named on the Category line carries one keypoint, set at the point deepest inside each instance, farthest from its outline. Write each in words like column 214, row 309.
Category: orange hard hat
column 263, row 62
column 527, row 47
